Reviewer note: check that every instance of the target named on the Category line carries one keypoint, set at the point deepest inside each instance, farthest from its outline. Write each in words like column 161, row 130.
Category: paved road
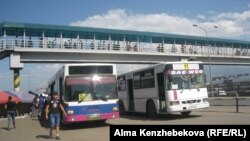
column 31, row 130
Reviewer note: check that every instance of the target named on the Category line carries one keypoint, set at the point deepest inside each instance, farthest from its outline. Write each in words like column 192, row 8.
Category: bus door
column 161, row 92
column 131, row 105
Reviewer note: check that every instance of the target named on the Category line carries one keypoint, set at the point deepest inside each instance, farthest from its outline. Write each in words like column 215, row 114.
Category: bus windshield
column 76, row 86
column 186, row 81
column 104, row 87
column 90, row 88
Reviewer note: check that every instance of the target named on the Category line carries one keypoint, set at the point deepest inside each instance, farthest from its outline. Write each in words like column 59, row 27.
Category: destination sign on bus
column 185, row 66
column 176, row 72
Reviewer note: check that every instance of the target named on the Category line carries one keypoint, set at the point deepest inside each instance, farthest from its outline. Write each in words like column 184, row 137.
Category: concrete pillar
column 16, row 65
column 17, row 80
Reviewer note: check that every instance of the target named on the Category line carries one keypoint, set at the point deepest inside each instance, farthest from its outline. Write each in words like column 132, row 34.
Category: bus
column 163, row 88
column 88, row 91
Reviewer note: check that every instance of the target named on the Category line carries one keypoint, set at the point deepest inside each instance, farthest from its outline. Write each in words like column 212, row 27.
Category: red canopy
column 4, row 97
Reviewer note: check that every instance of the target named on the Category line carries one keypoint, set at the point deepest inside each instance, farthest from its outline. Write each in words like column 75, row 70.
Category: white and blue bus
column 163, row 88
column 89, row 91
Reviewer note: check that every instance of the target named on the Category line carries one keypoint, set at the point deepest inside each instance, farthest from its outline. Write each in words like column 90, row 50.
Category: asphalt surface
column 29, row 129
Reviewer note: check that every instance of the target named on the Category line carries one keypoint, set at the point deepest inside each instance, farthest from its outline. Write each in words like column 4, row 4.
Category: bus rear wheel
column 151, row 109
column 186, row 113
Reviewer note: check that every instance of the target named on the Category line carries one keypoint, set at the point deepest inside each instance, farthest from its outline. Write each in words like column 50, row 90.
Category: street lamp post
column 209, row 61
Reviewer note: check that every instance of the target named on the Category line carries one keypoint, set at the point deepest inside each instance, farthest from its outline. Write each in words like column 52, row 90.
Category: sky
column 166, row 16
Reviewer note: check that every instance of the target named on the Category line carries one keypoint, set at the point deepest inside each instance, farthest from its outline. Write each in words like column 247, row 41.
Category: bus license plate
column 94, row 116
column 192, row 107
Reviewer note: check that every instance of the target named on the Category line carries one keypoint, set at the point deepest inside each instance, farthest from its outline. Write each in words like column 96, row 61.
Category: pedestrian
column 41, row 105
column 10, row 106
column 53, row 108
column 34, row 108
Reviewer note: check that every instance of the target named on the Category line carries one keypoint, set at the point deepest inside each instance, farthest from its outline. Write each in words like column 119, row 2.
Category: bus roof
column 162, row 64
column 181, row 62
column 53, row 78
column 88, row 64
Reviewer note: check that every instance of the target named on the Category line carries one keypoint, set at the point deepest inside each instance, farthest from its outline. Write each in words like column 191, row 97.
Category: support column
column 17, row 80
column 16, row 65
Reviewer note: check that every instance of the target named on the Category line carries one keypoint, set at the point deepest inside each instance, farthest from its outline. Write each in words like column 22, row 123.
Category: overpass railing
column 11, row 44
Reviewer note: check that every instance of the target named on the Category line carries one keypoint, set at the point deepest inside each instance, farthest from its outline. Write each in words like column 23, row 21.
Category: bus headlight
column 115, row 109
column 174, row 103
column 70, row 112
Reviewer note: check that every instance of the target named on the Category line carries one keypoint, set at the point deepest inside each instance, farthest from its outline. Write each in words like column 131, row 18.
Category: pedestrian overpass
column 41, row 43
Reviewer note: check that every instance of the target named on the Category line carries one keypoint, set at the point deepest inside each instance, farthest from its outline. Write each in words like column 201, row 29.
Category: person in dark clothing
column 53, row 108
column 10, row 106
column 35, row 104
column 41, row 104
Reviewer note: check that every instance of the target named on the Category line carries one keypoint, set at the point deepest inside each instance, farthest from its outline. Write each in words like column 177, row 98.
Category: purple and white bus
column 89, row 91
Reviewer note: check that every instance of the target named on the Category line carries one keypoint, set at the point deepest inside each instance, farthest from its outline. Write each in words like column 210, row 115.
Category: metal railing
column 10, row 44
column 230, row 101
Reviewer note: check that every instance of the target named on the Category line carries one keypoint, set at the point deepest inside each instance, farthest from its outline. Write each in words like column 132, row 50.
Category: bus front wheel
column 151, row 109
column 186, row 113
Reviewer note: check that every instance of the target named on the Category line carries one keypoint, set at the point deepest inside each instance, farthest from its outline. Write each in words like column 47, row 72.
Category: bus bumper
column 81, row 118
column 187, row 107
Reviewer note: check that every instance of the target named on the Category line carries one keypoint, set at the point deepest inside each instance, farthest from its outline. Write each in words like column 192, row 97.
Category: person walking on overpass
column 53, row 108
column 10, row 106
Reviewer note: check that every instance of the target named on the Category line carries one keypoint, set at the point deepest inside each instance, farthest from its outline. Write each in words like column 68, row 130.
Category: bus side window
column 121, row 83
